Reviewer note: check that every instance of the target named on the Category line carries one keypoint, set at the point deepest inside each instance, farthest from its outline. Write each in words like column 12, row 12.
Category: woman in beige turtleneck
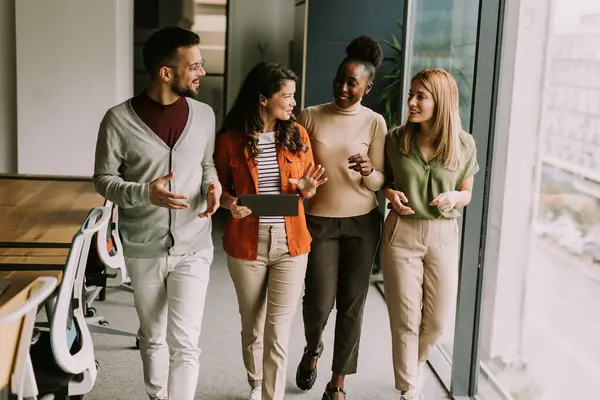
column 348, row 141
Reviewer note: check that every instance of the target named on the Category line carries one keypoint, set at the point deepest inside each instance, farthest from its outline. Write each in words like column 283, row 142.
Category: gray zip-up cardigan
column 129, row 156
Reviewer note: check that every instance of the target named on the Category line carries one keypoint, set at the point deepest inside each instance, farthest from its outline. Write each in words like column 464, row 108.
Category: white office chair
column 113, row 259
column 22, row 380
column 63, row 359
column 110, row 250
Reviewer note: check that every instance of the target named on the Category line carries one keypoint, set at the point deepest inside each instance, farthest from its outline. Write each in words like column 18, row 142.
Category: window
column 444, row 36
column 540, row 325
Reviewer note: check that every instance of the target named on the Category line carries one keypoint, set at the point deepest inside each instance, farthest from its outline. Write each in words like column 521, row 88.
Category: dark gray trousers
column 339, row 271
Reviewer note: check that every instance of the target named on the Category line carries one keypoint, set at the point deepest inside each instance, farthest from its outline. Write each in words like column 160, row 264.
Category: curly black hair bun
column 365, row 48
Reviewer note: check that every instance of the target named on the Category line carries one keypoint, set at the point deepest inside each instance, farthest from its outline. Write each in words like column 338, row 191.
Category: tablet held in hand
column 270, row 205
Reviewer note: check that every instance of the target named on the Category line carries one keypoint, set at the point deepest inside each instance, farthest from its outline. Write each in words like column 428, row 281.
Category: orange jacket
column 239, row 175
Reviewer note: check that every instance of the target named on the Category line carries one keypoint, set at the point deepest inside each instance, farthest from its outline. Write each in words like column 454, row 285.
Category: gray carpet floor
column 222, row 375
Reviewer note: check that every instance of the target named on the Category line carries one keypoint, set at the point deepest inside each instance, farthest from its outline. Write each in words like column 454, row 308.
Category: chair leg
column 62, row 394
column 125, row 287
column 99, row 320
column 109, row 331
column 91, row 294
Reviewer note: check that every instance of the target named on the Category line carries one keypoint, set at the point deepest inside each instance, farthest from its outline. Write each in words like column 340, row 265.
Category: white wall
column 253, row 22
column 75, row 60
column 123, row 50
column 8, row 109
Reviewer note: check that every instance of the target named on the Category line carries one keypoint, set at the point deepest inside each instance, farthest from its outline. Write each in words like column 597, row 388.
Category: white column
column 74, row 61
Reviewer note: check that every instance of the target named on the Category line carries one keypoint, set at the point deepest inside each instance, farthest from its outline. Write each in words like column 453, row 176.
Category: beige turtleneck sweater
column 336, row 134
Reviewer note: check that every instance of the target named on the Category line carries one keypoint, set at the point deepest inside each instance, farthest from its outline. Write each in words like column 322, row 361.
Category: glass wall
column 540, row 324
column 443, row 34
column 527, row 324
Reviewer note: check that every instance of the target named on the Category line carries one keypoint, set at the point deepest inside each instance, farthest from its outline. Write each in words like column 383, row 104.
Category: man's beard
column 183, row 91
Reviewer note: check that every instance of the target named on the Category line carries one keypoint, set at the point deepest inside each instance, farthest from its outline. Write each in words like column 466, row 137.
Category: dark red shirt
column 167, row 122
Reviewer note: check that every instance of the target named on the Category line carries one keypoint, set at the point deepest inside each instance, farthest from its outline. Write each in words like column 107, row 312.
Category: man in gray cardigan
column 154, row 159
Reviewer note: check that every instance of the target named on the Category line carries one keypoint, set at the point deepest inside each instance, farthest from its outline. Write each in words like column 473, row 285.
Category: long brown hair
column 265, row 79
column 446, row 130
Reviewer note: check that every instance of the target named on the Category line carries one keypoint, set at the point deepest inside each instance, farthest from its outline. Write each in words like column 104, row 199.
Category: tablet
column 270, row 205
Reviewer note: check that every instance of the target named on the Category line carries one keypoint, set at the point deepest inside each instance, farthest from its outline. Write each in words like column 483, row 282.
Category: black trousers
column 339, row 271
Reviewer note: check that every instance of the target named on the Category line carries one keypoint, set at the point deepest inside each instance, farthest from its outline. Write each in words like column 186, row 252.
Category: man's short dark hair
column 161, row 47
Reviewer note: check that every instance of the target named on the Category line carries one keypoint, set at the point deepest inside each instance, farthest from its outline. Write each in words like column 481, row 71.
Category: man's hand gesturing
column 159, row 196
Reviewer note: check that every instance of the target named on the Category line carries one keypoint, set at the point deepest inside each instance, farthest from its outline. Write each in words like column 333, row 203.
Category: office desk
column 13, row 298
column 32, row 258
column 42, row 211
column 39, row 216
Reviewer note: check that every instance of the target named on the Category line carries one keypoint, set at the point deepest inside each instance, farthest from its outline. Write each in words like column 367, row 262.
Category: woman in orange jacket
column 262, row 149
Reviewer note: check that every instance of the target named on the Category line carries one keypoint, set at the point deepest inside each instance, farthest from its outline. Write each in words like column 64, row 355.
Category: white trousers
column 169, row 295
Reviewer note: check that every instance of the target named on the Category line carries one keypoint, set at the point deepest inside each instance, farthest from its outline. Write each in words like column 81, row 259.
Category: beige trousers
column 420, row 270
column 268, row 292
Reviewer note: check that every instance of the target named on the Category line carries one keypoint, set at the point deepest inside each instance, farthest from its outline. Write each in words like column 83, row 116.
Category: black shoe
column 328, row 394
column 305, row 377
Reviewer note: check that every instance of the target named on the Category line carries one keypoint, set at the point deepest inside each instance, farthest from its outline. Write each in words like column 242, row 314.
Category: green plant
column 430, row 49
column 391, row 96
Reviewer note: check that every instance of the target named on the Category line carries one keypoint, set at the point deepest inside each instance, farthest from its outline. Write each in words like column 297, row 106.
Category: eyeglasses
column 193, row 68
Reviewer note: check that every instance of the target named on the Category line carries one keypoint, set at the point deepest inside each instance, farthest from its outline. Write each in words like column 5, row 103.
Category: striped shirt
column 269, row 178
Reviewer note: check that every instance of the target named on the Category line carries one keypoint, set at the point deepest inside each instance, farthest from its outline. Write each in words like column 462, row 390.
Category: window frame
column 494, row 53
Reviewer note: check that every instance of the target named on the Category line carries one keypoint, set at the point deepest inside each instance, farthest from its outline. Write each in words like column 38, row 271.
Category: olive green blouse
column 422, row 181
